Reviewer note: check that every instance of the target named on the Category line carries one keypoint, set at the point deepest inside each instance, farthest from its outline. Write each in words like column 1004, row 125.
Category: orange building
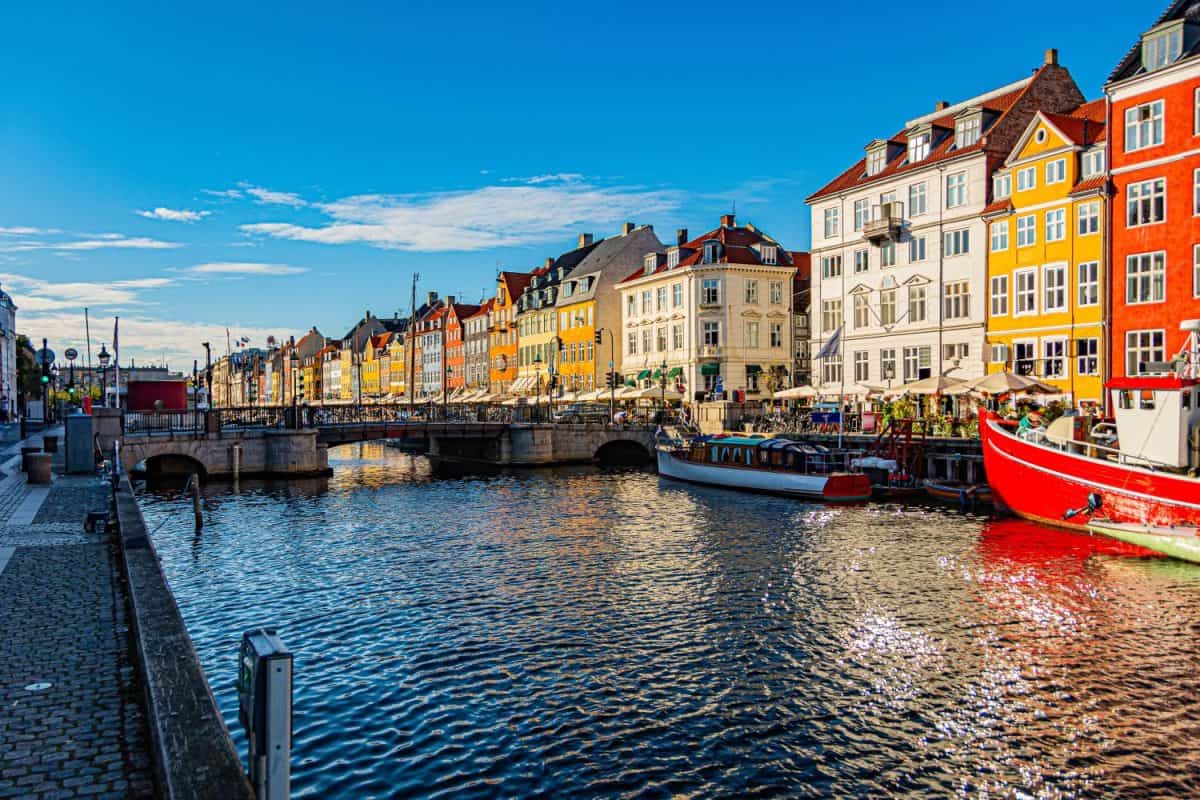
column 456, row 354
column 502, row 329
column 1154, row 154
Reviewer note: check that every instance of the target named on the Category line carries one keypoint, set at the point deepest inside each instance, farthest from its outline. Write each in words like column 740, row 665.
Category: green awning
column 632, row 384
column 675, row 372
column 657, row 374
column 711, row 368
column 753, row 369
column 643, row 375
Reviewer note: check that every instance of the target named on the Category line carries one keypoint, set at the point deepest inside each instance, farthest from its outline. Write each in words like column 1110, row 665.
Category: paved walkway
column 72, row 722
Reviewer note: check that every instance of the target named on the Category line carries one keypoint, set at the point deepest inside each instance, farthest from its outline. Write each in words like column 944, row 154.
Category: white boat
column 775, row 466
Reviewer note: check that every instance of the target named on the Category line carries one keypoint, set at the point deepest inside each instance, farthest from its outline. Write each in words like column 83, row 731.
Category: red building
column 456, row 354
column 1154, row 159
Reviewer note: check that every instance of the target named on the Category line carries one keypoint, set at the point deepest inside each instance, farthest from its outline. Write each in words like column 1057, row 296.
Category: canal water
column 581, row 633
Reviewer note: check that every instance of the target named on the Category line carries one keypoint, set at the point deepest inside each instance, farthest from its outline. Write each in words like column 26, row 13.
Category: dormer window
column 769, row 254
column 673, row 258
column 968, row 129
column 712, row 252
column 876, row 159
column 918, row 146
column 568, row 289
column 1002, row 186
column 650, row 263
column 1093, row 163
column 1162, row 47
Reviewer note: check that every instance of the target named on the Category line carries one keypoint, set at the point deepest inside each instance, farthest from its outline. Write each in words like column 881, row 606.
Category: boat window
column 1187, row 398
column 1147, row 400
column 1125, row 399
column 749, row 458
column 714, row 453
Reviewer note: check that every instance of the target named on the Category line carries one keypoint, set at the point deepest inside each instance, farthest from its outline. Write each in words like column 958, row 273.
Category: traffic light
column 608, row 380
column 599, row 337
column 45, row 378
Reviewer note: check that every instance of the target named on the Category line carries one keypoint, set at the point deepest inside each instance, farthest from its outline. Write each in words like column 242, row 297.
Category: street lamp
column 537, row 397
column 662, row 382
column 104, row 358
column 294, row 361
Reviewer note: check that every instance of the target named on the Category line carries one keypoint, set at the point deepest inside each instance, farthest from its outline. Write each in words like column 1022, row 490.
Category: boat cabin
column 768, row 454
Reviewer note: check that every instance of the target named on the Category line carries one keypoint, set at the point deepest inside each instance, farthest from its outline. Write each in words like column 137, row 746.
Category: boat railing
column 1089, row 448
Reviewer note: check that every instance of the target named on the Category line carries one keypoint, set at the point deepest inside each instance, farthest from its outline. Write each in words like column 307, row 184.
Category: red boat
column 1140, row 470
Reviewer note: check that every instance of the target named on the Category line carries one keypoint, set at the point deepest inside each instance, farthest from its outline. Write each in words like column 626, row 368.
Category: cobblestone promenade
column 72, row 722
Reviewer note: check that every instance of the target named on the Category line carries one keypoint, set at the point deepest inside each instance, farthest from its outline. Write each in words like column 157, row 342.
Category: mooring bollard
column 193, row 483
column 39, row 468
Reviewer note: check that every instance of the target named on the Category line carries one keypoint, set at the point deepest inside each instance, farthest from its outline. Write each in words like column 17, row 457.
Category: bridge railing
column 253, row 417
column 190, row 421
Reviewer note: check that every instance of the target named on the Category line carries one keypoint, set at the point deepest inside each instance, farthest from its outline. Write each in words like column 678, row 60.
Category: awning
column 643, row 375
column 675, row 372
column 710, row 368
column 657, row 374
column 631, row 383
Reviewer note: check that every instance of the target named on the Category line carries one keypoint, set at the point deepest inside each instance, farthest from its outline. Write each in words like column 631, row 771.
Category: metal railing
column 190, row 421
column 252, row 417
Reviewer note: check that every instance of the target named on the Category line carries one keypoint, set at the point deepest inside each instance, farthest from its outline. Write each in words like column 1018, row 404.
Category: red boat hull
column 1041, row 484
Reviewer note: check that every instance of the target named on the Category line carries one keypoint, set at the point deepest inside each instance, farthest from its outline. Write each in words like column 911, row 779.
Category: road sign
column 45, row 356
column 70, row 354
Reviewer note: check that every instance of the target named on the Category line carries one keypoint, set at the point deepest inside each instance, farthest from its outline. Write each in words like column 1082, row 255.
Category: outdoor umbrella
column 1008, row 383
column 797, row 393
column 935, row 384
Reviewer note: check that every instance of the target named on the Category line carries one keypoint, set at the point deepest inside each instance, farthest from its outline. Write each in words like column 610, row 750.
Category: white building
column 716, row 309
column 899, row 257
column 8, row 356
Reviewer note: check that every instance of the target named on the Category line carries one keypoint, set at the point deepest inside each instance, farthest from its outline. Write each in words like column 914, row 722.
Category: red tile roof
column 998, row 206
column 483, row 309
column 945, row 149
column 517, row 282
column 1084, row 126
column 1089, row 184
column 737, row 249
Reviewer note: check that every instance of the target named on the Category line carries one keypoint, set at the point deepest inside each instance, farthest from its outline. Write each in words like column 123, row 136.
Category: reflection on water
column 580, row 633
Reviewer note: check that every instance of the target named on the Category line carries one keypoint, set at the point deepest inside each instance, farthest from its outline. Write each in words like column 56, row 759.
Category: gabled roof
column 611, row 261
column 461, row 311
column 736, row 249
column 515, row 283
column 1130, row 64
column 482, row 309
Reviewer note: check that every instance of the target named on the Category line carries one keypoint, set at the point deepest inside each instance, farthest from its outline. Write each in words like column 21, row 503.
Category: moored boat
column 1176, row 541
column 775, row 466
column 1140, row 471
column 958, row 492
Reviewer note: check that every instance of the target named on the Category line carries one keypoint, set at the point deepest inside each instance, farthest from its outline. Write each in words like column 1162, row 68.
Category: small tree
column 776, row 378
column 29, row 374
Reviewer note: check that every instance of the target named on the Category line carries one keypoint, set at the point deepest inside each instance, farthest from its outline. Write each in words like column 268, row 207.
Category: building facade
column 1047, row 271
column 475, row 347
column 502, row 330
column 899, row 259
column 456, row 353
column 1154, row 157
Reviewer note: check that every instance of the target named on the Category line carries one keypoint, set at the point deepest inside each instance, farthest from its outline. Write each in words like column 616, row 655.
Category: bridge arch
column 173, row 465
column 622, row 453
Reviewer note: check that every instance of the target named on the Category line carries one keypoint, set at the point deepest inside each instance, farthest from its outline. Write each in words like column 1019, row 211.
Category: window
column 676, row 295
column 677, row 336
column 862, row 213
column 631, row 346
column 1196, row 270
column 751, row 334
column 958, row 242
column 1056, row 226
column 999, row 236
column 998, row 354
column 712, row 334
column 862, row 261
column 1146, row 202
column 832, row 226
column 1144, row 126
column 1002, row 186
column 887, row 254
column 918, row 147
column 831, row 369
column 916, row 249
column 862, row 313
column 917, row 201
column 1145, row 278
column 751, row 295
column 1161, row 48
column 887, row 307
column 1026, row 231
column 862, row 367
column 831, row 266
column 831, row 315
column 1089, row 218
column 1087, row 356
column 916, row 304
column 1054, row 288
column 916, row 362
column 1024, row 292
column 661, row 339
column 769, row 254
column 646, row 302
column 956, row 190
column 712, row 250
column 1088, row 281
column 752, row 373
column 1142, row 347
column 776, row 332
column 957, row 300
column 999, row 295
column 887, row 363
column 710, row 291
column 673, row 258
column 1026, row 179
column 776, row 288
column 876, row 160
column 1054, row 358
column 647, row 337
column 956, row 352
column 1056, row 171
column 967, row 131
column 1024, row 360
column 660, row 299
column 1093, row 163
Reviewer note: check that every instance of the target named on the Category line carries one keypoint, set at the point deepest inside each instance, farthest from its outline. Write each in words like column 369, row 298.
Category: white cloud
column 553, row 177
column 173, row 215
column 228, row 194
column 270, row 197
column 35, row 294
column 94, row 242
column 244, row 268
column 492, row 216
column 25, row 231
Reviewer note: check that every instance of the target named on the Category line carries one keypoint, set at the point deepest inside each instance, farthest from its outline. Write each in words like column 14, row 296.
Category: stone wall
column 254, row 453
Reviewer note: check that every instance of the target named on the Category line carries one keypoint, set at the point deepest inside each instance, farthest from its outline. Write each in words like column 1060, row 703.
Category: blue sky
column 268, row 168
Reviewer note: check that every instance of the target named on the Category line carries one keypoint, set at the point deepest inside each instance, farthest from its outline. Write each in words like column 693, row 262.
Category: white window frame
column 831, row 267
column 1056, row 171
column 1056, row 225
column 862, row 311
column 1093, row 163
column 831, row 315
column 862, row 213
column 1027, row 231
column 1196, row 270
column 862, row 261
column 887, row 306
column 1153, row 351
column 751, row 334
column 957, row 242
column 1026, row 179
column 1149, row 265
column 999, row 295
column 750, row 292
column 877, row 160
column 956, row 297
column 1087, row 358
column 862, row 366
column 1031, row 348
column 1144, row 133
column 887, row 254
column 918, row 199
column 919, row 146
column 676, row 295
column 776, row 292
column 1002, row 186
column 1143, row 196
column 968, row 131
column 918, row 303
column 917, row 250
column 1025, row 292
column 956, row 190
column 1061, row 355
column 1054, row 288
column 710, row 291
column 1087, row 281
column 1087, row 218
column 999, row 232
column 710, row 333
column 775, row 334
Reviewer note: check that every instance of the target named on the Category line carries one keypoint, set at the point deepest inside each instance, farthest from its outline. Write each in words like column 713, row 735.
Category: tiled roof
column 737, row 249
column 1090, row 184
column 516, row 282
column 998, row 206
column 481, row 310
column 1084, row 126
column 943, row 150
column 1130, row 65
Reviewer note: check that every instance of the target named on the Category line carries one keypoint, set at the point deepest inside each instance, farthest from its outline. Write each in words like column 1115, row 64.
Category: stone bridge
column 281, row 452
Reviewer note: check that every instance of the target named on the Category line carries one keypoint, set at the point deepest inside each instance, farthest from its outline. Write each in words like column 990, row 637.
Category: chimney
column 431, row 298
column 681, row 236
column 550, row 259
column 449, row 299
column 1052, row 57
column 585, row 239
column 728, row 221
column 941, row 105
column 366, row 315
column 627, row 228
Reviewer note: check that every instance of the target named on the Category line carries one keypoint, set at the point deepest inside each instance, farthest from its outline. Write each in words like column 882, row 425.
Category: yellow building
column 398, row 368
column 349, row 370
column 1047, row 272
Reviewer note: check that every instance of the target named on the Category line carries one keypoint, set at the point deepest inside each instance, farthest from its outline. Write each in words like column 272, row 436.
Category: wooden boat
column 1175, row 541
column 1140, row 470
column 958, row 492
column 775, row 466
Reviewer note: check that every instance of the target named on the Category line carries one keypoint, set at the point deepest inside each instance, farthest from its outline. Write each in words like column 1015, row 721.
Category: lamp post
column 294, row 361
column 662, row 382
column 103, row 357
column 537, row 397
